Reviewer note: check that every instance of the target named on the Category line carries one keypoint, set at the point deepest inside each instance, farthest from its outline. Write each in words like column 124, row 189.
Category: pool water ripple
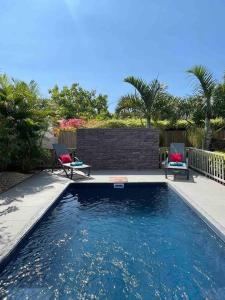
column 142, row 242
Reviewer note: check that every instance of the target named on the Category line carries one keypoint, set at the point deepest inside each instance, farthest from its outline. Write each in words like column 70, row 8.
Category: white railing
column 209, row 163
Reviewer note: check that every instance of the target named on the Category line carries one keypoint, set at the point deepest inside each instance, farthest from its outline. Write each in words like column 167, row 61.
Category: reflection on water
column 142, row 242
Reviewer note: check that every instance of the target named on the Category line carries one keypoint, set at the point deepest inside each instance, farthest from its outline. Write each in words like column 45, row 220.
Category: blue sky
column 99, row 42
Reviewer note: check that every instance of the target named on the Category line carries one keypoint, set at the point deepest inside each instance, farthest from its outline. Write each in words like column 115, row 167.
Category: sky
column 97, row 43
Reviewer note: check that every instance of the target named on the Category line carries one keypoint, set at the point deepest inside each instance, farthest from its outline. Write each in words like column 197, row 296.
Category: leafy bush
column 68, row 125
column 220, row 152
column 94, row 123
column 160, row 124
column 217, row 123
column 184, row 124
column 23, row 121
column 71, row 123
column 170, row 124
column 136, row 123
column 115, row 123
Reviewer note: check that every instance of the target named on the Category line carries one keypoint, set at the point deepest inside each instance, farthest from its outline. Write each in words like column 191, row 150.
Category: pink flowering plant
column 71, row 124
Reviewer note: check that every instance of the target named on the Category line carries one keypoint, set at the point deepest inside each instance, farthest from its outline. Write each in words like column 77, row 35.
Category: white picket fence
column 209, row 163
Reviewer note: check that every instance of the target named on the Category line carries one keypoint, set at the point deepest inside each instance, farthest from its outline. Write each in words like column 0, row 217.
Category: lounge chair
column 176, row 161
column 61, row 152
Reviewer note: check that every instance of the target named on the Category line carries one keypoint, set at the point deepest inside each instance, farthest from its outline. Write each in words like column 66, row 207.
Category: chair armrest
column 73, row 154
column 76, row 158
column 165, row 162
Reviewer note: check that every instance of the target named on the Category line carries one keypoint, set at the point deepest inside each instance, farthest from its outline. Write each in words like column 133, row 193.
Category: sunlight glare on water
column 140, row 242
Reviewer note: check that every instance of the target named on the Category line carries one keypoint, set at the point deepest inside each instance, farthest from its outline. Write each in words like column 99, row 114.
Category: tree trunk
column 148, row 122
column 207, row 134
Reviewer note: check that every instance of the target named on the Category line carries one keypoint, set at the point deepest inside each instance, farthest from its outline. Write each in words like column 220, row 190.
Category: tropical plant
column 76, row 102
column 23, row 122
column 143, row 102
column 206, row 88
column 219, row 100
column 71, row 123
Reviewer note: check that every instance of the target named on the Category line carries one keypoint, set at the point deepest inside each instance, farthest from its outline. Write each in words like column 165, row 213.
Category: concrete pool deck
column 22, row 206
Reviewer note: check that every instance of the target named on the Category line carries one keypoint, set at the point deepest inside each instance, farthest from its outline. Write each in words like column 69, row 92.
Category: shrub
column 162, row 124
column 184, row 124
column 68, row 125
column 71, row 123
column 115, row 123
column 121, row 123
column 170, row 124
column 217, row 123
column 94, row 123
column 23, row 121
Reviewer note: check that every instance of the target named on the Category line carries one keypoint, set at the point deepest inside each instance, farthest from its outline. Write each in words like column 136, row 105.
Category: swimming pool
column 140, row 242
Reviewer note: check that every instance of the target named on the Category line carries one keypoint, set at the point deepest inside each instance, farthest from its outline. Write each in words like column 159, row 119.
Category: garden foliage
column 23, row 122
column 25, row 115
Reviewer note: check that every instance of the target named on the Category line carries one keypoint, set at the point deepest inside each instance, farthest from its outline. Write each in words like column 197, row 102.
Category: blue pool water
column 140, row 242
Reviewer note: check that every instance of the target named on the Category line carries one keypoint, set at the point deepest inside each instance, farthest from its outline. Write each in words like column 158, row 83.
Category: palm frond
column 150, row 94
column 206, row 80
column 130, row 101
column 4, row 81
column 34, row 87
column 154, row 89
column 140, row 85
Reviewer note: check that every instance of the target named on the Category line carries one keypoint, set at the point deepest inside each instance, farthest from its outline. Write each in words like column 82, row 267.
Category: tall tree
column 206, row 88
column 219, row 100
column 141, row 103
column 76, row 102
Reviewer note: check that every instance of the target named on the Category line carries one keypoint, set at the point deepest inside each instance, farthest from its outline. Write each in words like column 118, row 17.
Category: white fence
column 209, row 163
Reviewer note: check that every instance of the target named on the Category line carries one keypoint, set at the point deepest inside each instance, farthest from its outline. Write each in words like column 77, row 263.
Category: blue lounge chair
column 60, row 149
column 173, row 166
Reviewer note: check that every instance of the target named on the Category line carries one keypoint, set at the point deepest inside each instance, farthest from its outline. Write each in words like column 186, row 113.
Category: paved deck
column 22, row 206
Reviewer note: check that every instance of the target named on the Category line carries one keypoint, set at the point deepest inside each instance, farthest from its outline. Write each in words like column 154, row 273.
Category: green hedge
column 126, row 123
column 115, row 123
column 162, row 124
column 217, row 123
column 169, row 124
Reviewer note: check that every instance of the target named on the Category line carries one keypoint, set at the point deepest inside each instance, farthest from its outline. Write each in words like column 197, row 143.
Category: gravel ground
column 9, row 179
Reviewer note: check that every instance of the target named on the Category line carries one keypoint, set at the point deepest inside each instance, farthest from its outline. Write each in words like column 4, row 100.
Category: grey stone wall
column 119, row 148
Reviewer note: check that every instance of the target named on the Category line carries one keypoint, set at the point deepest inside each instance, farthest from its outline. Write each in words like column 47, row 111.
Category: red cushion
column 176, row 157
column 65, row 158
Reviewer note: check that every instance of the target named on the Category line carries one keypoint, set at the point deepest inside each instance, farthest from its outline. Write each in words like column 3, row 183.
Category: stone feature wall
column 119, row 148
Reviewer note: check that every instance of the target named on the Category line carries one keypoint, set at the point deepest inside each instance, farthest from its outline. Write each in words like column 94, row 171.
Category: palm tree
column 206, row 88
column 142, row 103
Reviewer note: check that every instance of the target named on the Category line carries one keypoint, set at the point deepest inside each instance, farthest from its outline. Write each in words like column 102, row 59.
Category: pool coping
column 14, row 245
